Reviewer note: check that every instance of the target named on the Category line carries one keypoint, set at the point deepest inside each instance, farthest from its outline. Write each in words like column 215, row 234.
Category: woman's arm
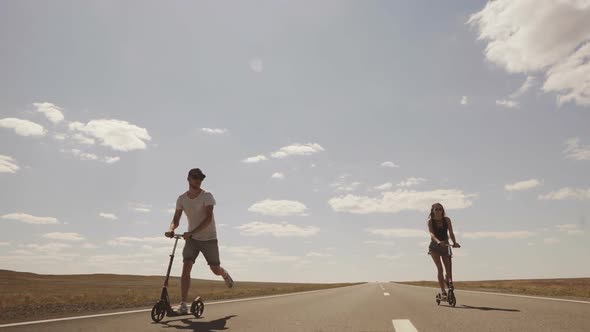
column 431, row 230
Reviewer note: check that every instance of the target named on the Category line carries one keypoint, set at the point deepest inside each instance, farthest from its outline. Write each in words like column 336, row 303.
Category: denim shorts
column 440, row 249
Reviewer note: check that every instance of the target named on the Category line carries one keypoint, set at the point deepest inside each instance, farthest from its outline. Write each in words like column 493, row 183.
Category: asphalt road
column 367, row 307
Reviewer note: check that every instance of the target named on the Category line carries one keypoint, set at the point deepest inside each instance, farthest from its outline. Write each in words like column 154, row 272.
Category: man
column 197, row 205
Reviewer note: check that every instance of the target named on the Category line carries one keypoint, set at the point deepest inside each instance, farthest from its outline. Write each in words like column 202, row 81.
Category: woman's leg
column 448, row 268
column 439, row 268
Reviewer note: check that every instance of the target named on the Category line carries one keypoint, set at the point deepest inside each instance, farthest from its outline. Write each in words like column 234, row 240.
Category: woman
column 440, row 228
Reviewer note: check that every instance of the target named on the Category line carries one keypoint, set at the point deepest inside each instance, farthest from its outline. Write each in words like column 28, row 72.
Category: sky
column 326, row 131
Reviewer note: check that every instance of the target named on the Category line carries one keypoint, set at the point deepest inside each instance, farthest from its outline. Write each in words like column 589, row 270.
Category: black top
column 440, row 229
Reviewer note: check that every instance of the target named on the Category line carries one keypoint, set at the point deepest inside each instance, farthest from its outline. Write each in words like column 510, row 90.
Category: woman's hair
column 431, row 215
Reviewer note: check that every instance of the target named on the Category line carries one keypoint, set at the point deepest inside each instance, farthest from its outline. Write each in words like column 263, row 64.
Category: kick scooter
column 450, row 298
column 163, row 307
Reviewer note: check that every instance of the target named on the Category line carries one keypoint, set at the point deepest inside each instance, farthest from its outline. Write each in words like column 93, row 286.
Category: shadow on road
column 486, row 308
column 198, row 326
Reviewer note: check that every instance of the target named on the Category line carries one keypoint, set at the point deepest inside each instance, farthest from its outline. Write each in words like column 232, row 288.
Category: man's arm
column 174, row 224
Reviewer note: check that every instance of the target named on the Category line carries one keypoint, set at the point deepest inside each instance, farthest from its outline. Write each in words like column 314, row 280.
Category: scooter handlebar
column 175, row 236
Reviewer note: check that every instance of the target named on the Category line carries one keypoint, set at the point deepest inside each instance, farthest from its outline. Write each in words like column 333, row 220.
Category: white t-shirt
column 195, row 212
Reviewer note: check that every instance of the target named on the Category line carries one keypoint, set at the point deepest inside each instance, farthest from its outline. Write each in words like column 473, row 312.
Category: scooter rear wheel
column 158, row 311
column 198, row 307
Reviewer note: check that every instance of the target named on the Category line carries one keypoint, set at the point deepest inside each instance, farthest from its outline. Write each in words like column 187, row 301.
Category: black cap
column 196, row 174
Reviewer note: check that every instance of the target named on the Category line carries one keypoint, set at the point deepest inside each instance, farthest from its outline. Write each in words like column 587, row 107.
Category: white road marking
column 502, row 294
column 386, row 294
column 403, row 325
column 148, row 310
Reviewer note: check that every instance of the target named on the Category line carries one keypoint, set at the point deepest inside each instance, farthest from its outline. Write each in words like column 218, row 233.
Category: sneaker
column 182, row 308
column 229, row 282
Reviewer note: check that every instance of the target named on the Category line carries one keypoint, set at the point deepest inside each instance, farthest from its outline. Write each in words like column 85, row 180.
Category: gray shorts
column 209, row 248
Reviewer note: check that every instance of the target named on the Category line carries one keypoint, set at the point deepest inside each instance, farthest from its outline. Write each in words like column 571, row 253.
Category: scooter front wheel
column 158, row 311
column 452, row 299
column 198, row 307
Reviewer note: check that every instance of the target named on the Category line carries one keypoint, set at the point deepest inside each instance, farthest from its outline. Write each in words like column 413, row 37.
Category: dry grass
column 578, row 288
column 29, row 296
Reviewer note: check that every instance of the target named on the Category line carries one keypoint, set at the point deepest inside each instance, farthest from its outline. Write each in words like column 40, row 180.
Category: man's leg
column 185, row 280
column 189, row 255
column 210, row 250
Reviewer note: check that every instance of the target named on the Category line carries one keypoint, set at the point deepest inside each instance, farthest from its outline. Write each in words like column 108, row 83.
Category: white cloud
column 87, row 156
column 117, row 134
column 8, row 164
column 464, row 100
column 385, row 186
column 575, row 151
column 507, row 103
column 254, row 159
column 63, row 236
column 80, row 138
column 550, row 240
column 318, row 254
column 138, row 207
column 570, row 77
column 346, row 187
column 528, row 83
column 278, row 230
column 2, row 244
column 278, row 175
column 130, row 241
column 498, row 235
column 279, row 208
column 89, row 246
column 90, row 156
column 214, row 131
column 540, row 36
column 522, row 185
column 392, row 233
column 23, row 127
column 111, row 160
column 401, row 200
column 50, row 247
column 249, row 253
column 389, row 164
column 109, row 216
column 60, row 136
column 380, row 243
column 51, row 111
column 425, row 243
column 29, row 219
column 569, row 229
column 567, row 193
column 389, row 257
column 297, row 150
column 256, row 65
column 411, row 182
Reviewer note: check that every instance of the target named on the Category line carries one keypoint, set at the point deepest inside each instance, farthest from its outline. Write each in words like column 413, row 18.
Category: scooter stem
column 171, row 260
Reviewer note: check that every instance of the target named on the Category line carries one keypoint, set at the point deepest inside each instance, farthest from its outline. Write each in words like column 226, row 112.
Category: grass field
column 578, row 288
column 29, row 296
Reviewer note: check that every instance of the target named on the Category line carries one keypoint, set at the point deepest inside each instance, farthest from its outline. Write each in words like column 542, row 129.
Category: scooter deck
column 175, row 313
